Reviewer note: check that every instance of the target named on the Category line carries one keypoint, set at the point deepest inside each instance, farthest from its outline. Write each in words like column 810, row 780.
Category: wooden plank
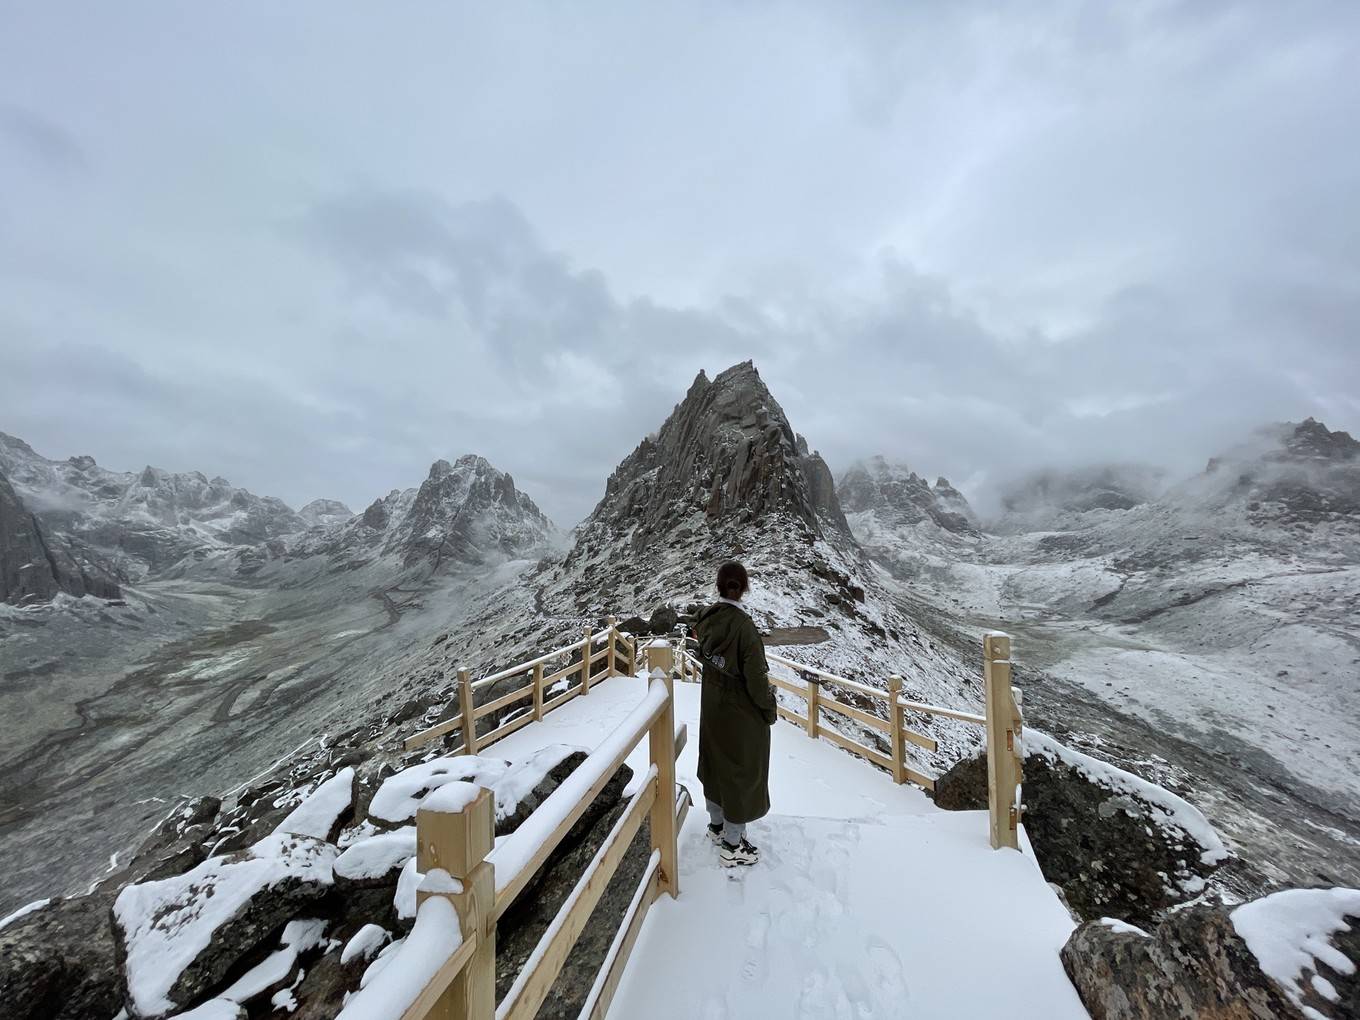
column 531, row 987
column 661, row 748
column 613, row 623
column 437, row 730
column 468, row 707
column 919, row 779
column 947, row 713
column 616, row 960
column 799, row 689
column 683, row 802
column 791, row 716
column 919, row 739
column 552, row 678
column 854, row 713
column 503, row 700
column 505, row 729
column 681, row 739
column 1001, row 771
column 427, row 1002
column 588, row 659
column 538, row 690
column 877, row 757
column 560, row 700
column 896, row 737
column 520, row 667
column 841, row 681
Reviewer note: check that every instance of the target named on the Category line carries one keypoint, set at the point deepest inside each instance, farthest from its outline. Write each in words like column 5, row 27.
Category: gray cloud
column 979, row 239
column 46, row 144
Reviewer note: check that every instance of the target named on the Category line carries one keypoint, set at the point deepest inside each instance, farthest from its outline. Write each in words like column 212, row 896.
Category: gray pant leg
column 733, row 832
column 715, row 815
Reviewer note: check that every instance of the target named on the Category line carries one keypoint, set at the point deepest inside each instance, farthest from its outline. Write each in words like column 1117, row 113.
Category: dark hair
column 732, row 580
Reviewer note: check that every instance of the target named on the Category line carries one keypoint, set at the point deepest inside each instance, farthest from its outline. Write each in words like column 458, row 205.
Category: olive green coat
column 735, row 715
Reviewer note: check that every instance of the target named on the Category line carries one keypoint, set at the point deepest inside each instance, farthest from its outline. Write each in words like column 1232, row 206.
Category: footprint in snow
column 885, row 969
column 714, row 1008
column 755, row 959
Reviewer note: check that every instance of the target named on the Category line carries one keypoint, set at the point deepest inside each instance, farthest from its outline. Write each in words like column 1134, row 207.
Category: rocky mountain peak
column 1311, row 438
column 325, row 513
column 726, row 454
column 899, row 496
column 463, row 511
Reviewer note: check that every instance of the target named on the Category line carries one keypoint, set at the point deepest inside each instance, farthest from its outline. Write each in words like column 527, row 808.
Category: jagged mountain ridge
column 97, row 529
column 126, row 526
column 464, row 512
column 900, row 497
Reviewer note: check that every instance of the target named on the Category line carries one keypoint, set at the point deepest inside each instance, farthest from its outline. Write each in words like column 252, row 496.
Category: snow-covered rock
column 325, row 809
column 180, row 937
column 1288, row 956
column 1115, row 843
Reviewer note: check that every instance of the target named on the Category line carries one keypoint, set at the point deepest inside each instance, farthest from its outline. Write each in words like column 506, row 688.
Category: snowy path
column 868, row 904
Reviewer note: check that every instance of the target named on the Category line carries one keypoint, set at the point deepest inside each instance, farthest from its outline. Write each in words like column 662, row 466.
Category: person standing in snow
column 737, row 709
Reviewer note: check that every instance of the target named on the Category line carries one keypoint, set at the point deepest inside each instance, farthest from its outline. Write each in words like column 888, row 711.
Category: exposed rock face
column 1197, row 964
column 1114, row 852
column 57, row 963
column 34, row 569
column 325, row 513
column 727, row 452
column 898, row 496
column 465, row 512
column 132, row 524
column 1289, row 474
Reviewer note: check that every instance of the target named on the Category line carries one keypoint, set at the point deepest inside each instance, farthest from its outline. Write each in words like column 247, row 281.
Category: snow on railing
column 469, row 881
column 537, row 687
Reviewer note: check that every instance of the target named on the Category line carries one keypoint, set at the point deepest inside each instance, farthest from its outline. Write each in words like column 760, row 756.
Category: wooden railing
column 537, row 685
column 446, row 968
column 1003, row 724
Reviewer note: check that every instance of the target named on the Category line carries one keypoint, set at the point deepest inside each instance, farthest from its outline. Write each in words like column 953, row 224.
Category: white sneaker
column 741, row 855
column 715, row 834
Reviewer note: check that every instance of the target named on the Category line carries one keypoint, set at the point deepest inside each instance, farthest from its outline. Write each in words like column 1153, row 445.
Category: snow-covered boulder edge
column 1118, row 845
column 1287, row 956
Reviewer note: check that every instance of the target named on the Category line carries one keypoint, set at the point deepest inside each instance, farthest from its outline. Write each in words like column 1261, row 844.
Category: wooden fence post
column 612, row 623
column 899, row 744
column 458, row 842
column 469, row 716
column 538, row 691
column 813, row 690
column 1002, row 776
column 585, row 663
column 661, row 744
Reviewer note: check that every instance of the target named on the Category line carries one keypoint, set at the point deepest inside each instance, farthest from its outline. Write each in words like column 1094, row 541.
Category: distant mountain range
column 75, row 527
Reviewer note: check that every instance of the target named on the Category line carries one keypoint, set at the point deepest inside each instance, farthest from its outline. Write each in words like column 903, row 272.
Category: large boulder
column 1284, row 957
column 1118, row 845
column 57, row 962
column 663, row 621
column 180, row 938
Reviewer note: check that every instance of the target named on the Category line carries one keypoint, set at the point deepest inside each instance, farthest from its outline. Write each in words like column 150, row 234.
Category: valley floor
column 868, row 902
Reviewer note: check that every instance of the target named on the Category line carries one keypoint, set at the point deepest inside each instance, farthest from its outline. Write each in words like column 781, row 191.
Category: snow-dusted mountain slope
column 136, row 524
column 1215, row 621
column 214, row 665
column 466, row 511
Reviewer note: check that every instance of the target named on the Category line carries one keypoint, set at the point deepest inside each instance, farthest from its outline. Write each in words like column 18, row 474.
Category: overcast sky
column 314, row 247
